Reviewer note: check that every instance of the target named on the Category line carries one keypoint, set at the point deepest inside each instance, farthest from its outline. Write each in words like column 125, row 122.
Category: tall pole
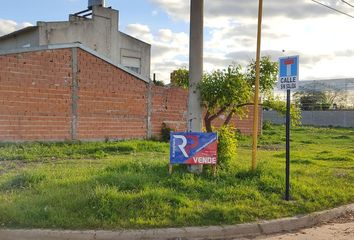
column 256, row 95
column 195, row 71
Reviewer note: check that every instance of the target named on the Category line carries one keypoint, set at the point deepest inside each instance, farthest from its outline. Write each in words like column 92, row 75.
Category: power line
column 349, row 4
column 332, row 8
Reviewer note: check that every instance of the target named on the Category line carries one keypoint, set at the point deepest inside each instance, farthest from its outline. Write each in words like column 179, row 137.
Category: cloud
column 140, row 31
column 320, row 36
column 237, row 10
column 165, row 35
column 8, row 26
column 167, row 48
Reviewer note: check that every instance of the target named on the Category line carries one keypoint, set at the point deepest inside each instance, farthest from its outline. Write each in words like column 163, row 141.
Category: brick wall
column 71, row 94
column 245, row 123
column 35, row 96
column 169, row 105
column 112, row 104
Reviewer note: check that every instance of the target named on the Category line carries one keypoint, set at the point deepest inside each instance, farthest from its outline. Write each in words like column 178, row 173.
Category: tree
column 228, row 91
column 158, row 83
column 224, row 91
column 180, row 78
column 268, row 74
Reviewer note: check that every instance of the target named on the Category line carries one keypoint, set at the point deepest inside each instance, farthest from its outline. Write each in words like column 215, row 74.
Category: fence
column 316, row 118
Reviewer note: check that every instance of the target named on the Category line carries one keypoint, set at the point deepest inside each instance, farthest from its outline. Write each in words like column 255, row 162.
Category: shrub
column 227, row 146
column 165, row 132
column 267, row 125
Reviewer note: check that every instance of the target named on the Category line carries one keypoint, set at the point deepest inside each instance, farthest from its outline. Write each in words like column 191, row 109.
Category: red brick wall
column 112, row 103
column 244, row 124
column 169, row 105
column 35, row 96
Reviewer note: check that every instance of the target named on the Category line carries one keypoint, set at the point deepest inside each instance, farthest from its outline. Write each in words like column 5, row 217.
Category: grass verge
column 126, row 184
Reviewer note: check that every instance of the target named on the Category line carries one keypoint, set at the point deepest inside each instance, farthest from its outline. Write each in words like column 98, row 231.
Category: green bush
column 267, row 125
column 227, row 146
column 165, row 132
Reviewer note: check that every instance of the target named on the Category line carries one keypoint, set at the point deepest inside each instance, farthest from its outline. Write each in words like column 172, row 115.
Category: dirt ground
column 338, row 229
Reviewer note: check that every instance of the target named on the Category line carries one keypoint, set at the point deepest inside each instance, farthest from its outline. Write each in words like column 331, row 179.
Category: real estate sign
column 288, row 73
column 193, row 148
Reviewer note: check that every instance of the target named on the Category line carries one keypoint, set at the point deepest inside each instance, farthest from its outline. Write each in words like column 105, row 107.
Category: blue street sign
column 193, row 148
column 288, row 73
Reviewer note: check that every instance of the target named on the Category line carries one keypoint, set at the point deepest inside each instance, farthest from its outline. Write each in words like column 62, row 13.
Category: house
column 96, row 28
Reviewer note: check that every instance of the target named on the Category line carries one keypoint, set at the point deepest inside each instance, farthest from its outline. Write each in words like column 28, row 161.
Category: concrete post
column 74, row 94
column 195, row 71
column 149, row 109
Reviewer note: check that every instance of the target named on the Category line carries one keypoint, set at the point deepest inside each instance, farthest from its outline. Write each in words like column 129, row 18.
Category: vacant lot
column 126, row 184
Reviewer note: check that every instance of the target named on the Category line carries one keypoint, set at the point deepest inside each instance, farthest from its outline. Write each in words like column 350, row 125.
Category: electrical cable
column 332, row 8
column 349, row 4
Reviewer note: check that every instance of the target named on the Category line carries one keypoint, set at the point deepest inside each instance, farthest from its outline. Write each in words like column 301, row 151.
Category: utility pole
column 256, row 95
column 194, row 117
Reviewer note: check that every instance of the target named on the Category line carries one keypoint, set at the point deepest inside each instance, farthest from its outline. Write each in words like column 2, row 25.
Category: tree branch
column 229, row 117
column 212, row 117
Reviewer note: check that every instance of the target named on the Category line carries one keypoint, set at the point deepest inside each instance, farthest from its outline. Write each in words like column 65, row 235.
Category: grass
column 126, row 185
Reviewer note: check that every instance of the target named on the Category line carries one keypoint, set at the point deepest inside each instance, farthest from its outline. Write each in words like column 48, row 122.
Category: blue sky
column 58, row 10
column 323, row 39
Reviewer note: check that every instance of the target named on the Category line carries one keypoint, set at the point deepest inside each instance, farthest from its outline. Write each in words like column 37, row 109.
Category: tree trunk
column 207, row 122
column 228, row 119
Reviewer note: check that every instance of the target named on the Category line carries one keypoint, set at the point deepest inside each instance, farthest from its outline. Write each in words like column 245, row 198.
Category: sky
column 323, row 38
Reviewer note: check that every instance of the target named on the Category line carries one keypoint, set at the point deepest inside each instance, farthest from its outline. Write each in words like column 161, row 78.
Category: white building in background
column 96, row 28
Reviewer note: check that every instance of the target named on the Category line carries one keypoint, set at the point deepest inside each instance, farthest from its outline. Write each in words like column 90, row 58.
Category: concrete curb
column 196, row 233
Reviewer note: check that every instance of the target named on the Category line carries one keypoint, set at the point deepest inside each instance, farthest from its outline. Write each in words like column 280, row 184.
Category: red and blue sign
column 193, row 148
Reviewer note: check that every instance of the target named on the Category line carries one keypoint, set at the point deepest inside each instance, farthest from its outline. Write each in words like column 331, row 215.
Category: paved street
column 339, row 229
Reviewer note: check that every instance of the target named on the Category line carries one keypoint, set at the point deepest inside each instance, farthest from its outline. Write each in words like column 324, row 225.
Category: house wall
column 131, row 47
column 25, row 39
column 99, row 33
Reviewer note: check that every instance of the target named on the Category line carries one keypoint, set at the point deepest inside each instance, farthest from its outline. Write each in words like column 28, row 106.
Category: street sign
column 288, row 73
column 193, row 148
column 288, row 80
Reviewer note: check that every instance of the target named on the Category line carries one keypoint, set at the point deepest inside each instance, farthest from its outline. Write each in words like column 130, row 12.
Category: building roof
column 23, row 30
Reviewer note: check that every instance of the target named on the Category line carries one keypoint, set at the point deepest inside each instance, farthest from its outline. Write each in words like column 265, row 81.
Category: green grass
column 126, row 184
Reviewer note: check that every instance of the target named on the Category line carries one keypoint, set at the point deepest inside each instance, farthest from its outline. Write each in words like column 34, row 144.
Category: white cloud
column 165, row 35
column 322, row 38
column 140, row 31
column 8, row 26
column 167, row 48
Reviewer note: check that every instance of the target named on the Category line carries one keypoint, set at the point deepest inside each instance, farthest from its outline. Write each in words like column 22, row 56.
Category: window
column 132, row 63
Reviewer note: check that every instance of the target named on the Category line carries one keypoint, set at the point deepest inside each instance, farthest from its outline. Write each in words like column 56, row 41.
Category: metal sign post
column 287, row 146
column 288, row 80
